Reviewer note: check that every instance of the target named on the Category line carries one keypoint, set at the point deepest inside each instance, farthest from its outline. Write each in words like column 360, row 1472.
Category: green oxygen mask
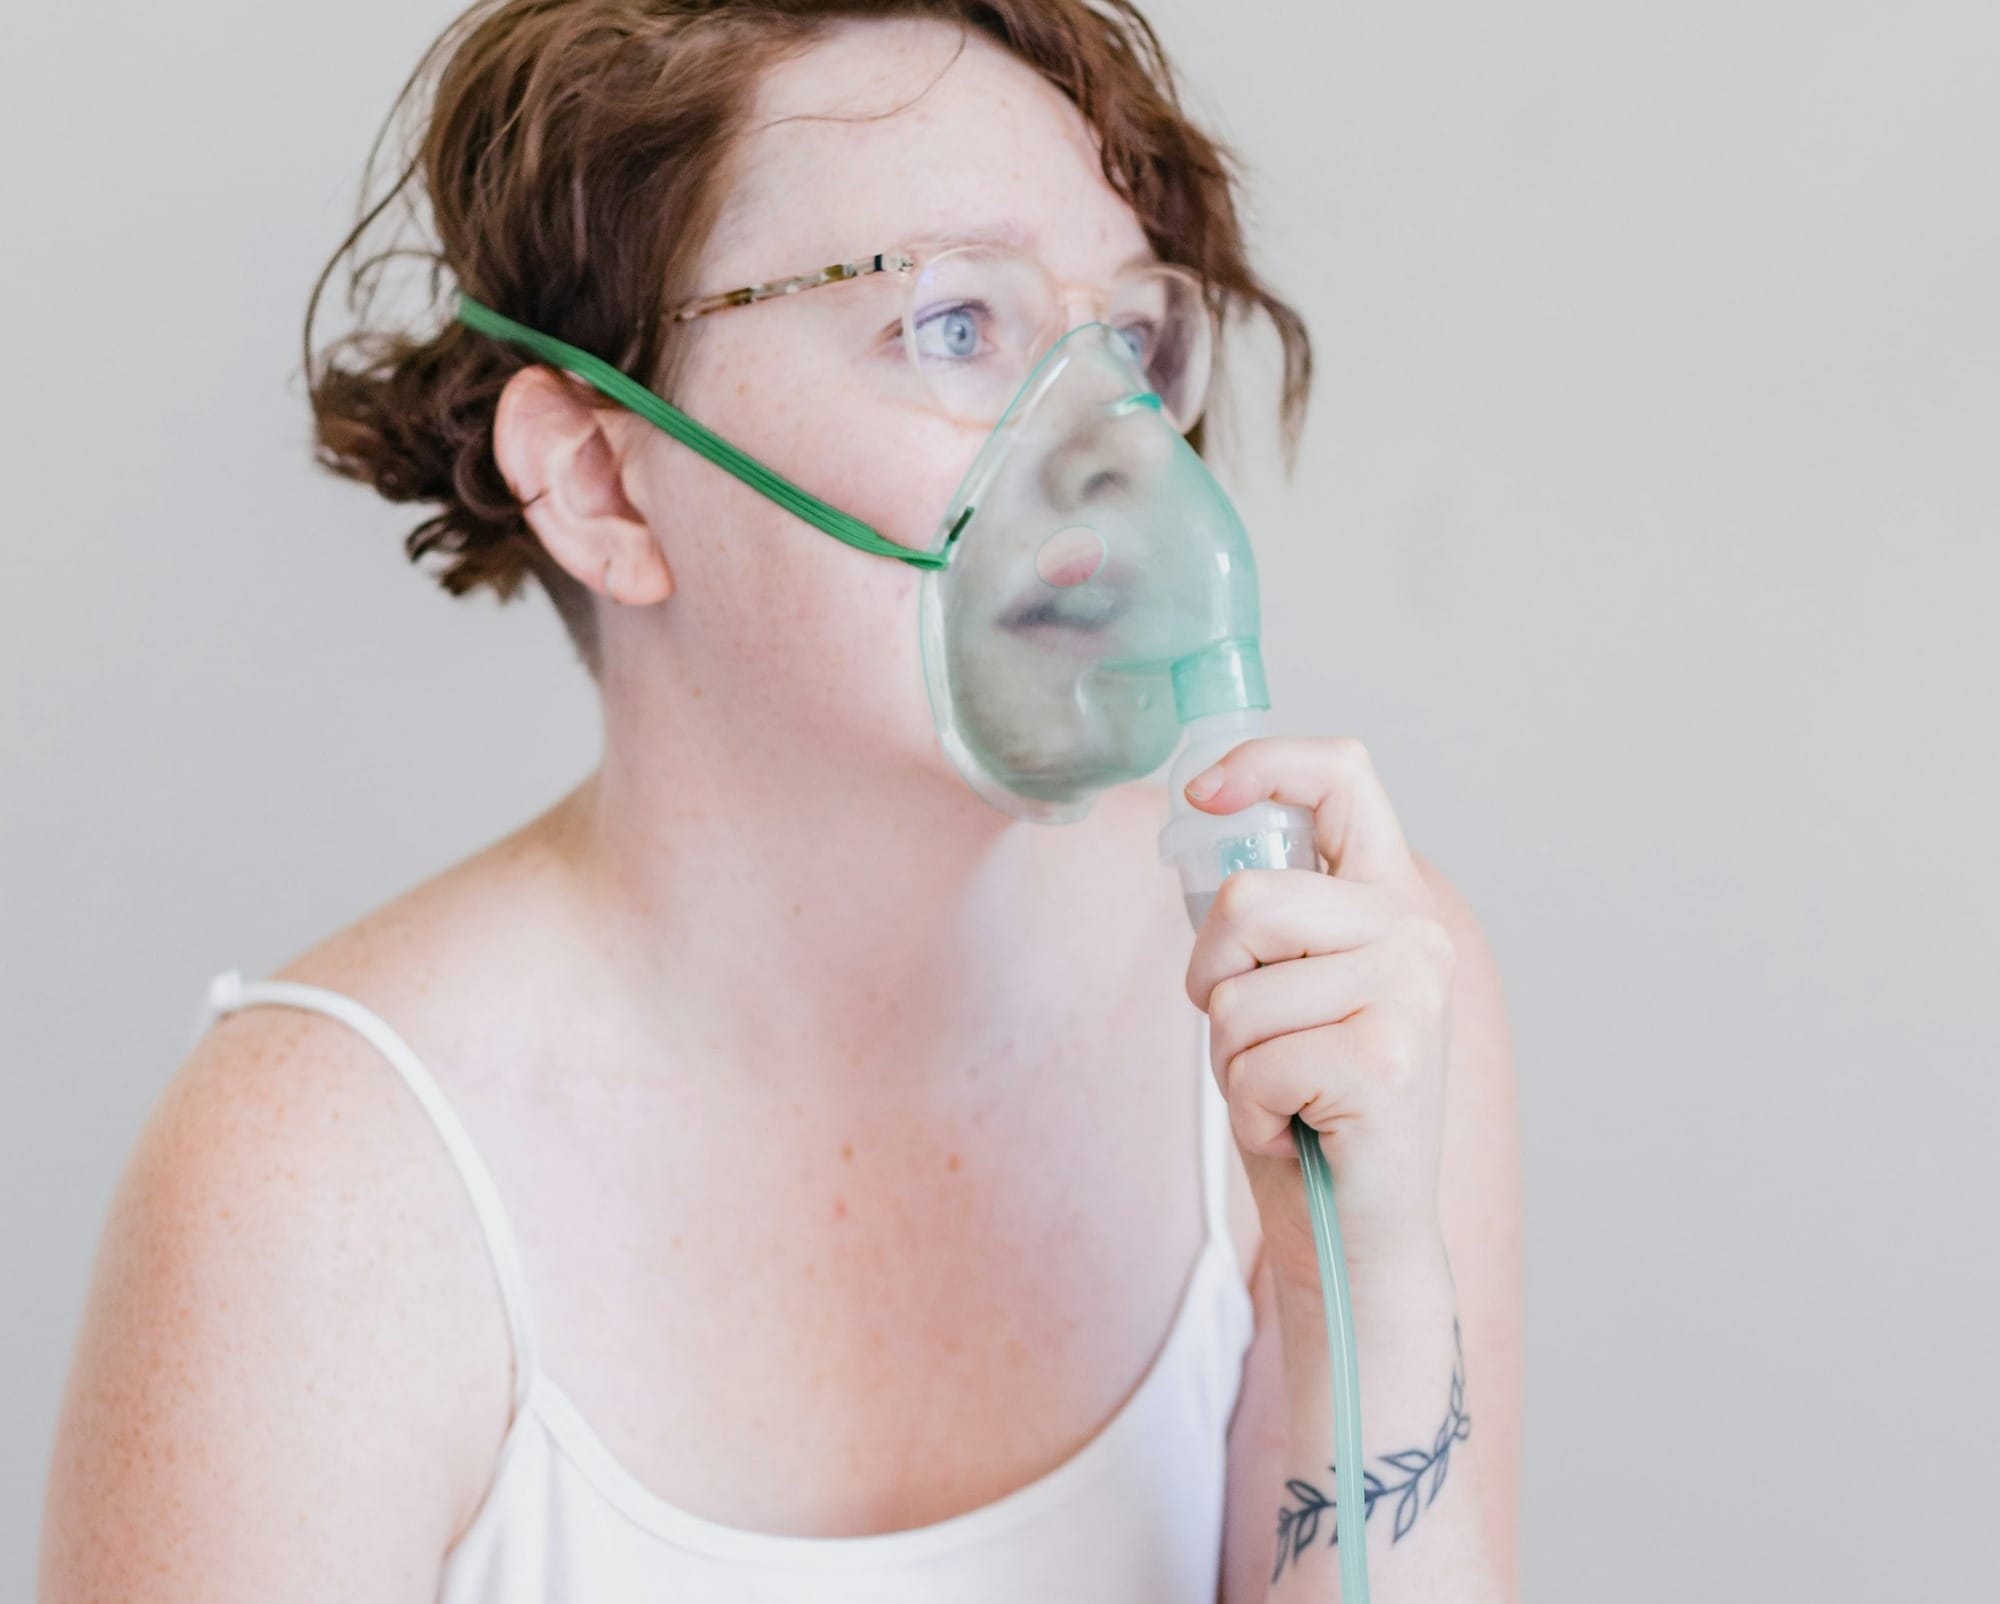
column 1098, row 599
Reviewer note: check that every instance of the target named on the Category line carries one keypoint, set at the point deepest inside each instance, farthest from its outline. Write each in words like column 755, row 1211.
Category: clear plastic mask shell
column 1100, row 592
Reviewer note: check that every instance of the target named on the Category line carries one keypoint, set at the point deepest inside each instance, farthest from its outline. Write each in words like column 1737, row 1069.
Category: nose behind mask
column 1099, row 592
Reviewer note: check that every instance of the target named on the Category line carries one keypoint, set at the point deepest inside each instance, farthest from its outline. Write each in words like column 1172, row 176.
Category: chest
column 811, row 1324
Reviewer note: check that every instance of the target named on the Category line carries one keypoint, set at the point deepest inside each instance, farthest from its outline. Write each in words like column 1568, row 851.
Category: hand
column 1329, row 995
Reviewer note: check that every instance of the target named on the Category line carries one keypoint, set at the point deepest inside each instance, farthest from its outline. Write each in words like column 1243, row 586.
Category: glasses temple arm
column 629, row 393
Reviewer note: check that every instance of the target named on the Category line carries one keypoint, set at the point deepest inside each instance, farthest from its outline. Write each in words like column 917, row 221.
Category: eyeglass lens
column 980, row 317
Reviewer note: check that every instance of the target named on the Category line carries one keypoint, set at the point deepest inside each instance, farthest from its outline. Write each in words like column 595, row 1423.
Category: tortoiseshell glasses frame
column 1008, row 303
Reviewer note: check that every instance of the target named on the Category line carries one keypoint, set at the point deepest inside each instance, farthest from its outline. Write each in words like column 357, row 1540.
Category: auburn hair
column 564, row 161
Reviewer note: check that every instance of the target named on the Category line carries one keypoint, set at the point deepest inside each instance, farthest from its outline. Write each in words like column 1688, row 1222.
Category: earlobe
column 556, row 450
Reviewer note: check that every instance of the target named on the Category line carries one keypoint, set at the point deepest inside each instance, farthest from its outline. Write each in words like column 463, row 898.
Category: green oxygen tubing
column 1207, row 848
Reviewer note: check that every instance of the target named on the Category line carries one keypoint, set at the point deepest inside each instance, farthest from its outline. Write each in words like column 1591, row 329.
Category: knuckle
column 1351, row 754
column 1241, row 1129
column 1237, row 1071
column 1247, row 1065
column 1429, row 936
column 1233, row 898
column 1397, row 1057
column 1443, row 981
column 1224, row 997
column 1420, row 989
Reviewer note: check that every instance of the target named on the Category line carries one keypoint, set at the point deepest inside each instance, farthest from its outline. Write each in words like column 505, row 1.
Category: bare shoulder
column 291, row 1337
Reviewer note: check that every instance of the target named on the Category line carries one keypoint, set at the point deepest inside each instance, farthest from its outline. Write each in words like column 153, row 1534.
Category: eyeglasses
column 977, row 318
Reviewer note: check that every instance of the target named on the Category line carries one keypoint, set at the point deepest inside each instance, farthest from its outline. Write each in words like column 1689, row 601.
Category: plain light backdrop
column 1647, row 530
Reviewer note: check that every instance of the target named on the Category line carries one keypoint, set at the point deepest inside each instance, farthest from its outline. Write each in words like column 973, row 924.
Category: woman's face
column 881, row 136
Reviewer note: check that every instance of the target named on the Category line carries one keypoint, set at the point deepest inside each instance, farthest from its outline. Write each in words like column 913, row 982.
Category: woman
column 824, row 1151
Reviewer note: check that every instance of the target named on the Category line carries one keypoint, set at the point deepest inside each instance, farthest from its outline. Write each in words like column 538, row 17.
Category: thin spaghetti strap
column 1214, row 1140
column 228, row 991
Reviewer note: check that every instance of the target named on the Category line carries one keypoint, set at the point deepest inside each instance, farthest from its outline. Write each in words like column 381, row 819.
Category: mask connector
column 1209, row 847
column 1220, row 679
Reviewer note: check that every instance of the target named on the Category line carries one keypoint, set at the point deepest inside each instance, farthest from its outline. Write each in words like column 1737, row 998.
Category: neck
column 762, row 903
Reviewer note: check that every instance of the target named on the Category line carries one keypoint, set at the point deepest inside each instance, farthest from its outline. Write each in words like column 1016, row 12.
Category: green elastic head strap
column 628, row 392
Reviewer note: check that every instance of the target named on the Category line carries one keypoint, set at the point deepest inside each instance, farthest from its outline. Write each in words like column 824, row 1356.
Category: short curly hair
column 568, row 156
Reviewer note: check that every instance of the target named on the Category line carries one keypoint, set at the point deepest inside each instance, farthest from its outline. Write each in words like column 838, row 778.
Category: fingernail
column 1205, row 784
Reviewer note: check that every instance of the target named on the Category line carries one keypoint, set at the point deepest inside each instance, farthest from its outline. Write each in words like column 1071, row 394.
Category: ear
column 561, row 455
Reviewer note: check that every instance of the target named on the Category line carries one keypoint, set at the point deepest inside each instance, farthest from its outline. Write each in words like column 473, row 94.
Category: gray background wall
column 1647, row 532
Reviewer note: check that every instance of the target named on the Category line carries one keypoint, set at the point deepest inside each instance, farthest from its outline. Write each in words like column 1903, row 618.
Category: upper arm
column 1479, row 1200
column 1480, row 1206
column 271, row 1372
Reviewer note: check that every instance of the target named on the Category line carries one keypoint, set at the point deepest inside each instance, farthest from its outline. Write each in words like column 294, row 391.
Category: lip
column 1062, row 640
column 1085, row 609
column 1083, row 616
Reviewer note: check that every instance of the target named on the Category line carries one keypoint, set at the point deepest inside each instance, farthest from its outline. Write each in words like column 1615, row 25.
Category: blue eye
column 1137, row 338
column 960, row 334
column 951, row 333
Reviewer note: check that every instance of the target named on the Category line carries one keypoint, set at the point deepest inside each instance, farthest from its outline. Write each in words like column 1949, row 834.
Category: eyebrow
column 1006, row 233
column 1001, row 233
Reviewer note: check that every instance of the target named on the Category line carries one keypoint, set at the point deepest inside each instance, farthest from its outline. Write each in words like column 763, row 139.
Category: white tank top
column 1133, row 1517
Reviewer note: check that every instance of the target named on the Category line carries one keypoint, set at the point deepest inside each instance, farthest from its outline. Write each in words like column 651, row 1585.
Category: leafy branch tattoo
column 1298, row 1526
